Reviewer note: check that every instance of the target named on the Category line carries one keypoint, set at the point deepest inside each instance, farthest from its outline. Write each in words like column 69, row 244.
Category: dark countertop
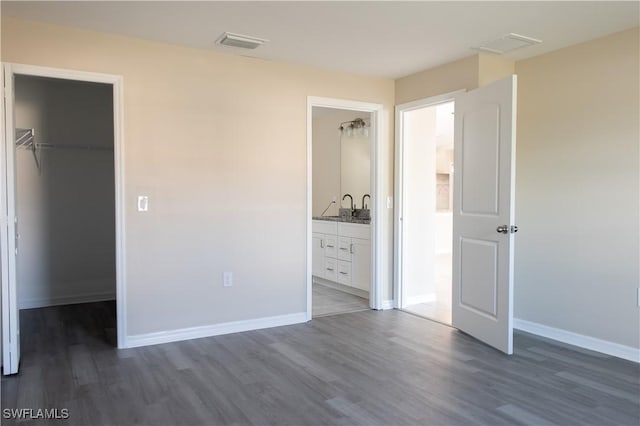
column 344, row 220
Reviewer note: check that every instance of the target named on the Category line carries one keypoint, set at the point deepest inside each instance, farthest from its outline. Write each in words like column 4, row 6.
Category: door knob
column 504, row 229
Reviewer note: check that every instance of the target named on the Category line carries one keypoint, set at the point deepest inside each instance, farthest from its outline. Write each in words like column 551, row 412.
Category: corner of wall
column 492, row 68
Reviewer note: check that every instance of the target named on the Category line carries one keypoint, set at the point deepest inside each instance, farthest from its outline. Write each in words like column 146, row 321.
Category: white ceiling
column 386, row 39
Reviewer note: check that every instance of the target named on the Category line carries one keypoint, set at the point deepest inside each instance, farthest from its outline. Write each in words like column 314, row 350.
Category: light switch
column 143, row 203
column 389, row 202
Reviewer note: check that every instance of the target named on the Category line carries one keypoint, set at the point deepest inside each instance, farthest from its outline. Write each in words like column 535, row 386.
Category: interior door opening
column 427, row 176
column 341, row 211
column 343, row 204
column 61, row 134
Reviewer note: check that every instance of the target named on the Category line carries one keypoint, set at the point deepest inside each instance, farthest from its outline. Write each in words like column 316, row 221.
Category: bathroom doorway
column 343, row 204
column 425, row 192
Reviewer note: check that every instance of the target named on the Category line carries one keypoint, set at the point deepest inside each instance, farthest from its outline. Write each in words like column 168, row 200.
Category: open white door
column 483, row 213
column 8, row 243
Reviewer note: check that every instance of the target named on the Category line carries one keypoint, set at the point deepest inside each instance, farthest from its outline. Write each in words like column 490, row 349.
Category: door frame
column 377, row 133
column 400, row 151
column 9, row 280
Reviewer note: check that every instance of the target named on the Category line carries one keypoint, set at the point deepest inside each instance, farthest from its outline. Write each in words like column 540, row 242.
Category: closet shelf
column 25, row 139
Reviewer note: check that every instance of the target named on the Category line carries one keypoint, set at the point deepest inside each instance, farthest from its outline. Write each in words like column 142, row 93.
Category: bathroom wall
column 65, row 209
column 336, row 165
column 419, row 210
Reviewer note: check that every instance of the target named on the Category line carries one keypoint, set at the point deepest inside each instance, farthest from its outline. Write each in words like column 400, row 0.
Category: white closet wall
column 65, row 209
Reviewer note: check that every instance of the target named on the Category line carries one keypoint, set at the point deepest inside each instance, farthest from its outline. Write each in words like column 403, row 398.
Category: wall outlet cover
column 227, row 279
column 143, row 203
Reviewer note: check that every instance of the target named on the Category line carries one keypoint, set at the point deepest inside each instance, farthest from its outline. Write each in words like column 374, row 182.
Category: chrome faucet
column 350, row 198
column 364, row 206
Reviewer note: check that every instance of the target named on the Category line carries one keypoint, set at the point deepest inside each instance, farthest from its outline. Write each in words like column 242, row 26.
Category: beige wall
column 577, row 189
column 462, row 74
column 218, row 143
column 465, row 74
column 492, row 68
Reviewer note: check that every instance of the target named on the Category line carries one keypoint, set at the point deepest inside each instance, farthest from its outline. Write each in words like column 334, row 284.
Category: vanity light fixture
column 356, row 127
column 241, row 41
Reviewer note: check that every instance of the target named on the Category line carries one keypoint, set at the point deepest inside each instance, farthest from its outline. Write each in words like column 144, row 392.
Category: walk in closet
column 65, row 197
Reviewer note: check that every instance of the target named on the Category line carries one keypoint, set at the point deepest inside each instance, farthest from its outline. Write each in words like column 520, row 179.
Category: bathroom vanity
column 342, row 252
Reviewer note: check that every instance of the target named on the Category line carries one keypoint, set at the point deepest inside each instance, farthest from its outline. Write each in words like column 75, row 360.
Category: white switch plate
column 227, row 279
column 638, row 296
column 389, row 202
column 143, row 203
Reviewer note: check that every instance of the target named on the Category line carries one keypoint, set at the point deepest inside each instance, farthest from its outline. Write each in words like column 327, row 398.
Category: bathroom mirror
column 341, row 159
column 355, row 159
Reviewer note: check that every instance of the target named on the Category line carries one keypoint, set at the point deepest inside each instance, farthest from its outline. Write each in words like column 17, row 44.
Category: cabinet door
column 344, row 248
column 317, row 255
column 361, row 264
column 344, row 272
column 330, row 269
column 331, row 246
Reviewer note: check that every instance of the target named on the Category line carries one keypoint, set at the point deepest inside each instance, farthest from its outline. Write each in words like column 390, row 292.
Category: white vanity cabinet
column 342, row 253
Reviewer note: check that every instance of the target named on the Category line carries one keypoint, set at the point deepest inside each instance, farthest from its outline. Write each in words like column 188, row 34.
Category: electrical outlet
column 227, row 279
column 334, row 199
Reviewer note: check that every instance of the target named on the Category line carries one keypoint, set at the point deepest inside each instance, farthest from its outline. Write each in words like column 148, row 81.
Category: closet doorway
column 62, row 173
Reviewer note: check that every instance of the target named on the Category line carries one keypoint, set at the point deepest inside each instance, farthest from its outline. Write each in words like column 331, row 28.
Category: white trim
column 399, row 149
column 604, row 346
column 214, row 330
column 388, row 304
column 422, row 298
column 66, row 300
column 377, row 154
column 119, row 175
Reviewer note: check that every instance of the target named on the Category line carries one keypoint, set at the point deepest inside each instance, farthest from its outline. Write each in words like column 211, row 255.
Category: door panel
column 480, row 144
column 484, row 185
column 479, row 263
column 10, row 312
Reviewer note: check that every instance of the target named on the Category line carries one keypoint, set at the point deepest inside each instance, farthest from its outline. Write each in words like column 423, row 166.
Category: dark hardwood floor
column 363, row 368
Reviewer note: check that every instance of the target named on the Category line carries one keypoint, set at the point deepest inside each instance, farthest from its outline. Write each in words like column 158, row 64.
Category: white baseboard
column 387, row 304
column 214, row 330
column 422, row 298
column 580, row 340
column 66, row 300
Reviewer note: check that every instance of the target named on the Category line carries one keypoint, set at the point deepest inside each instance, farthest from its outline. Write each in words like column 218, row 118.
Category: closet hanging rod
column 77, row 147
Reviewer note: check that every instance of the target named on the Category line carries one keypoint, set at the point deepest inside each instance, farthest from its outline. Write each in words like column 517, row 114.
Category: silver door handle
column 351, row 249
column 321, row 243
column 504, row 229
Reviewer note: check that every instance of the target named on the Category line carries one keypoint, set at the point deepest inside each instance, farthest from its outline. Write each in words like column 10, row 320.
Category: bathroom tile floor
column 329, row 301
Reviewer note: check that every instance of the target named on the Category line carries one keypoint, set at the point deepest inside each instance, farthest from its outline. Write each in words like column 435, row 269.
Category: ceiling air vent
column 239, row 40
column 507, row 43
